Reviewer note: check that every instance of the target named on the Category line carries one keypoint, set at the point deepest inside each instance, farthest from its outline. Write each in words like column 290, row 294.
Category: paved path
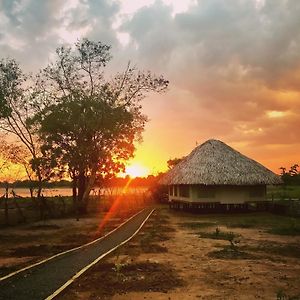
column 41, row 281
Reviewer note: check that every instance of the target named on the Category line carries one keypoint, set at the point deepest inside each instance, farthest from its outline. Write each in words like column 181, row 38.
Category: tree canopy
column 16, row 98
column 88, row 124
column 292, row 176
column 72, row 118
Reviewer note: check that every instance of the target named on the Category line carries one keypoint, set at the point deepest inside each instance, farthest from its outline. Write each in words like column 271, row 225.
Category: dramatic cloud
column 30, row 30
column 234, row 63
column 234, row 66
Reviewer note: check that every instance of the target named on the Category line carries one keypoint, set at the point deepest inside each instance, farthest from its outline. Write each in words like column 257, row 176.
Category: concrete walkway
column 43, row 280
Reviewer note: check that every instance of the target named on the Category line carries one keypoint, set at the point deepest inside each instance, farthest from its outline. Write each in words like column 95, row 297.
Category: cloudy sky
column 233, row 66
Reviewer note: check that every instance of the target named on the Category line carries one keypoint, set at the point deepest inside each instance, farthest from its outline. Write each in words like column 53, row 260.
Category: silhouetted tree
column 16, row 154
column 88, row 124
column 16, row 98
column 173, row 162
column 283, row 170
column 292, row 177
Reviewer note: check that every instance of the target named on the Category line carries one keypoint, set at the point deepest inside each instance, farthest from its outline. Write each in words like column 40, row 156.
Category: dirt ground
column 180, row 256
column 25, row 244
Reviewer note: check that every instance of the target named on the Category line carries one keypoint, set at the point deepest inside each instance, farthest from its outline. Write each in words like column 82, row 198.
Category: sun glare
column 136, row 170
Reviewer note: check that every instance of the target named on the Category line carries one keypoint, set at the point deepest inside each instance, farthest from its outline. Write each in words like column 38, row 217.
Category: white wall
column 224, row 194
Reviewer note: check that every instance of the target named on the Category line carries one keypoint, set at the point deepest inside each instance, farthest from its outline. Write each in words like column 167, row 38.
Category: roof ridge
column 215, row 162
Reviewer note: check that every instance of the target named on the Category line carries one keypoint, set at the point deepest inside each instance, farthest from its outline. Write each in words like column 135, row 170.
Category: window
column 257, row 192
column 171, row 190
column 206, row 192
column 184, row 191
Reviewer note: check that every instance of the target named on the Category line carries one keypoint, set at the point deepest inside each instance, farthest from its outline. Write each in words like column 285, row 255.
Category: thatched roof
column 215, row 163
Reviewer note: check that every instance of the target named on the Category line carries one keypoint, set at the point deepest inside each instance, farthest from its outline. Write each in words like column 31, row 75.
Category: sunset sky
column 233, row 66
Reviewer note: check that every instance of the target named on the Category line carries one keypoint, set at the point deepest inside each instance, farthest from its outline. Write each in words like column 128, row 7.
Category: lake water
column 68, row 191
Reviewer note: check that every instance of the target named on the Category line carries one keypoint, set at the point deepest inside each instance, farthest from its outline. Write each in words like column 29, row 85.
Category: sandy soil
column 170, row 261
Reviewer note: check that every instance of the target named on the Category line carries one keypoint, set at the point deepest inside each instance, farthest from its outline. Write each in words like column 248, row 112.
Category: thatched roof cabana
column 215, row 163
column 216, row 176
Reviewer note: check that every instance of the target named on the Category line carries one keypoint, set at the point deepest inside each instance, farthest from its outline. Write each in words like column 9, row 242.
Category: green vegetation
column 271, row 247
column 291, row 228
column 34, row 184
column 283, row 192
column 292, row 176
column 218, row 234
column 282, row 295
column 197, row 225
column 291, row 187
column 275, row 224
column 231, row 251
column 270, row 222
column 143, row 276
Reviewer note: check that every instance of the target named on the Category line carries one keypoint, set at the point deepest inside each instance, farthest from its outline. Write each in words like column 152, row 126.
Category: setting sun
column 137, row 170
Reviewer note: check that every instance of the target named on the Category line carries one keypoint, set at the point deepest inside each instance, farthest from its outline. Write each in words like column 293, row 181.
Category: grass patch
column 274, row 224
column 285, row 250
column 246, row 222
column 256, row 220
column 282, row 295
column 281, row 225
column 231, row 251
column 197, row 225
column 228, row 253
column 239, row 220
column 293, row 229
column 107, row 280
column 219, row 235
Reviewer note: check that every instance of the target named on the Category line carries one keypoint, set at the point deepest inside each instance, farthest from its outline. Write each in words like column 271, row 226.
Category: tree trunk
column 41, row 200
column 74, row 190
column 90, row 184
column 31, row 192
column 82, row 205
column 74, row 196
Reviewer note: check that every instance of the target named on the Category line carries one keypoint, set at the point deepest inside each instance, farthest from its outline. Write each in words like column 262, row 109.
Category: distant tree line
column 106, row 182
column 34, row 184
column 148, row 182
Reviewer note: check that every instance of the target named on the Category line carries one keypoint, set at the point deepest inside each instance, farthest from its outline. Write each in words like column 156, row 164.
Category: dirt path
column 168, row 260
column 41, row 281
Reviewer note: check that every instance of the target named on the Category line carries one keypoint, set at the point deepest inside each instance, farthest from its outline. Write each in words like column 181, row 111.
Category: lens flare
column 114, row 207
